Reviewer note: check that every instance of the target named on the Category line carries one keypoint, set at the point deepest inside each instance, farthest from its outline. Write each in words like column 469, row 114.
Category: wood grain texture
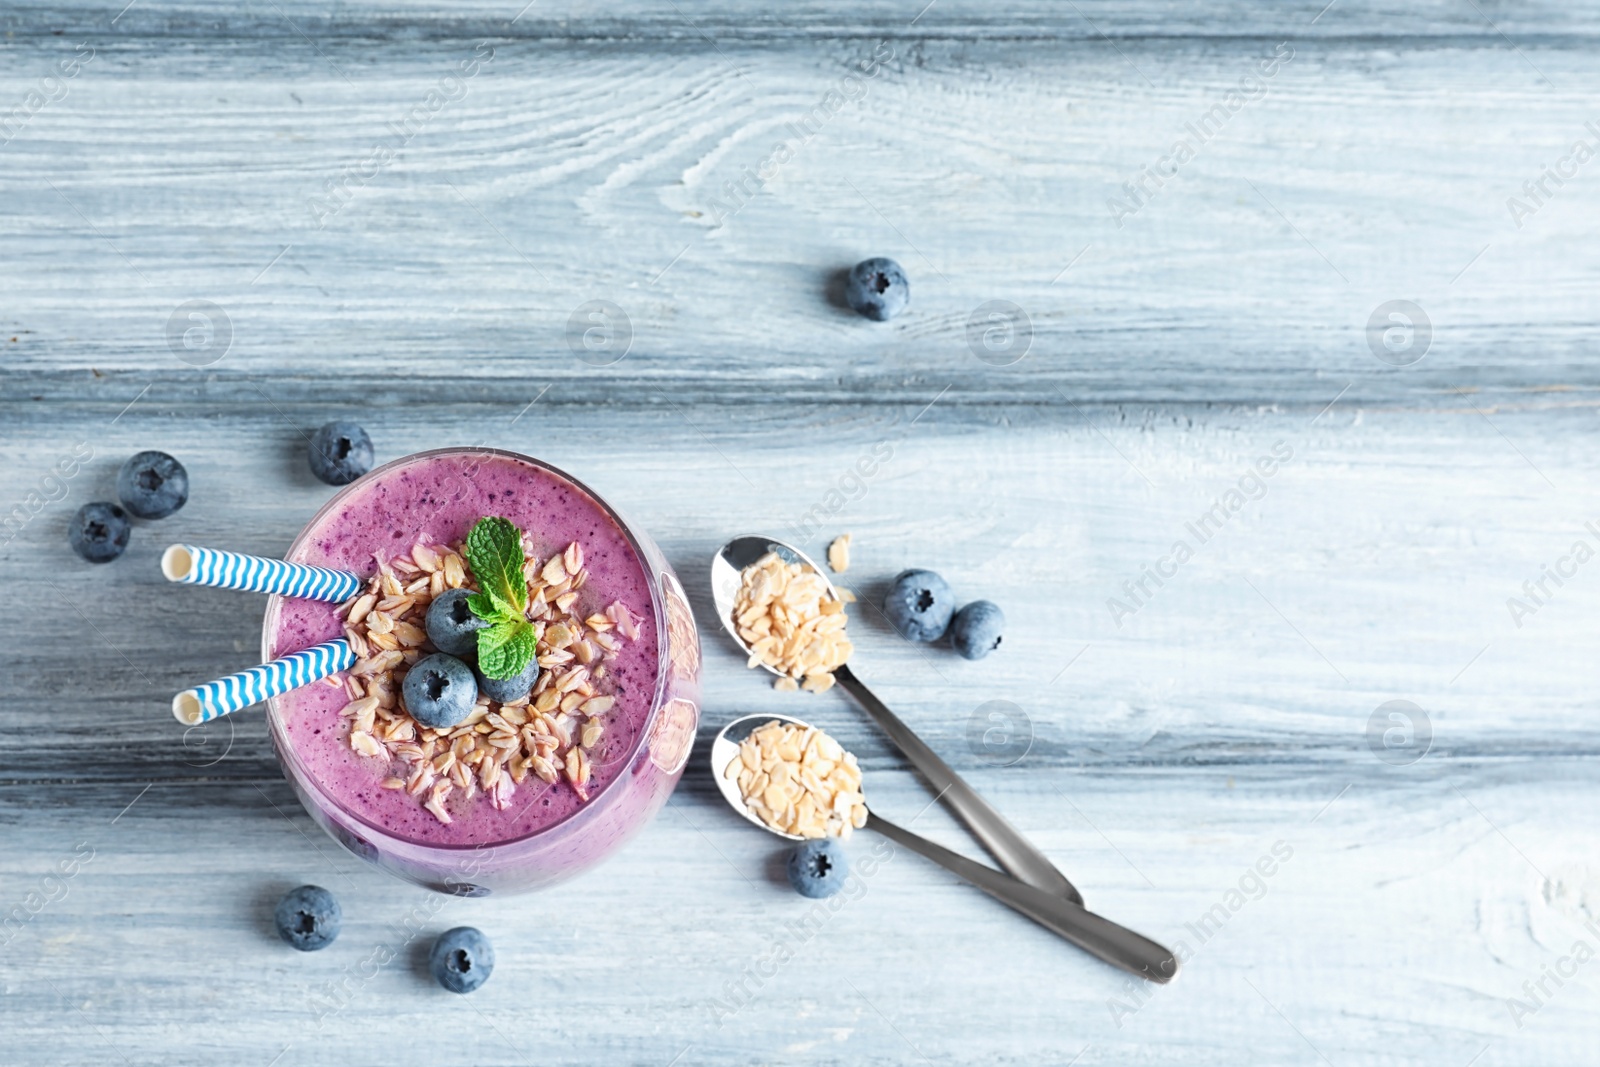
column 571, row 171
column 1169, row 748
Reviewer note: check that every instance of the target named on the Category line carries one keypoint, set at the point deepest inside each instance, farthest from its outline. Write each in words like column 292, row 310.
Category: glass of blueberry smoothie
column 527, row 682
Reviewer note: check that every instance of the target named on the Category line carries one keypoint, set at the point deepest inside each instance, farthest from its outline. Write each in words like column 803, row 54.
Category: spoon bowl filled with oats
column 792, row 779
column 526, row 726
column 786, row 615
column 788, row 777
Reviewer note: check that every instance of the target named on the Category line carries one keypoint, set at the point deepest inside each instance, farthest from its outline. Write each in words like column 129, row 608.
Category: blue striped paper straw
column 228, row 695
column 255, row 574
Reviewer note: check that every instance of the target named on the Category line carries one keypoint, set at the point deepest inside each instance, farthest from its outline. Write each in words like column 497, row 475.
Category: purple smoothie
column 547, row 831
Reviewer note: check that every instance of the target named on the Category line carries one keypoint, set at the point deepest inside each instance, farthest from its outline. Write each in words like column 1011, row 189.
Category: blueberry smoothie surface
column 439, row 498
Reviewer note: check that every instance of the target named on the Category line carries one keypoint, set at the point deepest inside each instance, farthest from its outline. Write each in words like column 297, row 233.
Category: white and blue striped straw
column 256, row 574
column 237, row 691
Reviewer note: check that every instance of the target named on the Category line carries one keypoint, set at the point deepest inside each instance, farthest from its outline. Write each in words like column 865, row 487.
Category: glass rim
column 655, row 581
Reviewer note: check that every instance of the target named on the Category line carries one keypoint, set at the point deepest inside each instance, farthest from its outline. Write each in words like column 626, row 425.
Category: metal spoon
column 1098, row 936
column 1002, row 840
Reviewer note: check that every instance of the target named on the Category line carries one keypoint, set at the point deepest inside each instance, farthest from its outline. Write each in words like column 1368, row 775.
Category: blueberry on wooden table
column 975, row 630
column 152, row 485
column 340, row 452
column 99, row 532
column 462, row 959
column 818, row 868
column 308, row 917
column 919, row 605
column 877, row 288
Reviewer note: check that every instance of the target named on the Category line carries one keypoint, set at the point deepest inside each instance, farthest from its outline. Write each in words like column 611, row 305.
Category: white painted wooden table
column 395, row 210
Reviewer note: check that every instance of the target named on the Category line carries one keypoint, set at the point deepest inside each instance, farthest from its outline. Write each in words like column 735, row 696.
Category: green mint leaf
column 506, row 648
column 494, row 549
column 491, row 608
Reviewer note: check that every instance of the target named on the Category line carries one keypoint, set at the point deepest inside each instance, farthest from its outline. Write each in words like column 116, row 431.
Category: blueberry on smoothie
column 877, row 288
column 99, row 532
column 340, row 452
column 440, row 691
column 919, row 605
column 462, row 959
column 818, row 868
column 452, row 627
column 152, row 485
column 308, row 918
column 975, row 630
column 507, row 690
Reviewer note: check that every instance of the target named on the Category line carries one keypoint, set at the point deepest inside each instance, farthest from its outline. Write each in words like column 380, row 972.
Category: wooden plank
column 1273, row 643
column 1167, row 755
column 1363, row 175
column 1395, row 930
column 660, row 20
column 1176, row 730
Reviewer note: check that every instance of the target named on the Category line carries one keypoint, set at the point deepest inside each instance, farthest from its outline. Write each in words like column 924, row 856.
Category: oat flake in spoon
column 799, row 781
column 792, row 623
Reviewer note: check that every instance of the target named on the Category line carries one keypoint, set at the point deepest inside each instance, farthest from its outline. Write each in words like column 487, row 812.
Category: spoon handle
column 1098, row 936
column 1003, row 841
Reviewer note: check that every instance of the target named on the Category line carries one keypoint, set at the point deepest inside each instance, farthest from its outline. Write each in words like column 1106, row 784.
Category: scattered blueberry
column 877, row 288
column 975, row 630
column 462, row 959
column 99, row 532
column 505, row 690
column 340, row 453
column 308, row 918
column 818, row 868
column 919, row 605
column 153, row 485
column 452, row 627
column 440, row 691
